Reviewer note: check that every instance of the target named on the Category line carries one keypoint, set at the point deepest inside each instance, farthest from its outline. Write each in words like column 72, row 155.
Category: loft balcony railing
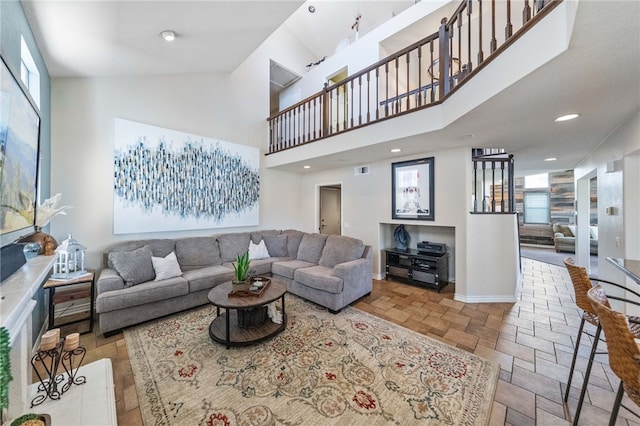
column 417, row 77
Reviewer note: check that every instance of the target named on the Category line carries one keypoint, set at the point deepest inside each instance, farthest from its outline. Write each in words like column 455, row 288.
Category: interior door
column 330, row 206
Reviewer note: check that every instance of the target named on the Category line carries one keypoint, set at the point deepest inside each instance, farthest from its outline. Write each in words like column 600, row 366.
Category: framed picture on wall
column 412, row 189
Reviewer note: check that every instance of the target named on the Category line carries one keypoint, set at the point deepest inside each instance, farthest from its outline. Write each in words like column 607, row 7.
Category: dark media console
column 426, row 266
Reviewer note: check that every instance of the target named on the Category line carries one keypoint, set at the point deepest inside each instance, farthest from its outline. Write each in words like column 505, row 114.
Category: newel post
column 444, row 62
column 325, row 110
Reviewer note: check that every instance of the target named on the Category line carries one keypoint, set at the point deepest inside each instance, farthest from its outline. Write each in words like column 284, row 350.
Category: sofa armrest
column 558, row 235
column 354, row 270
column 109, row 280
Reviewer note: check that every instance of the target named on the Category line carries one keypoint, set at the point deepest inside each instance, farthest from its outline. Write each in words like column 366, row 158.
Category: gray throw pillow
column 276, row 244
column 135, row 266
column 311, row 246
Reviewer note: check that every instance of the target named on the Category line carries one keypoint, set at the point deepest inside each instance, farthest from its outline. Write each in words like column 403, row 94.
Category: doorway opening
column 329, row 218
column 586, row 247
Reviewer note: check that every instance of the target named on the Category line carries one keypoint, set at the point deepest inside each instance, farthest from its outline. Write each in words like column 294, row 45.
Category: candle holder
column 72, row 357
column 47, row 360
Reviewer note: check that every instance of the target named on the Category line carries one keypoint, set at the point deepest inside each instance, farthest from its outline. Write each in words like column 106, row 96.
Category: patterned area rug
column 345, row 369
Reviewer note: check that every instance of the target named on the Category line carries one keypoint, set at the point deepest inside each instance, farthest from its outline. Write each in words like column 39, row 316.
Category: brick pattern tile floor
column 532, row 340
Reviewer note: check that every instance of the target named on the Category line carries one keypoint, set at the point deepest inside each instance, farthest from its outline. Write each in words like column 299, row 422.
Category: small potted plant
column 241, row 268
column 32, row 419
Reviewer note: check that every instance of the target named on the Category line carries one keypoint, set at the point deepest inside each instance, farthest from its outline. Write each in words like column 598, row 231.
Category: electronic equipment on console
column 432, row 249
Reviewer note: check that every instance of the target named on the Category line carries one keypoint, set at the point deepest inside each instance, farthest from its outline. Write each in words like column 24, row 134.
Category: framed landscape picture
column 412, row 189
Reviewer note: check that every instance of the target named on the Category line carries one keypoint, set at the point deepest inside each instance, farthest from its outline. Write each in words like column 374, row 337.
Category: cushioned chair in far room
column 581, row 285
column 624, row 354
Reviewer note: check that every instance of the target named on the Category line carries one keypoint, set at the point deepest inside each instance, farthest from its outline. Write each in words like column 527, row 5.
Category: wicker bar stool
column 581, row 285
column 624, row 354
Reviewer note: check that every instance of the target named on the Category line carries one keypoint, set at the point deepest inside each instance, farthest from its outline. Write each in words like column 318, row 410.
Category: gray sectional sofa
column 332, row 271
column 564, row 238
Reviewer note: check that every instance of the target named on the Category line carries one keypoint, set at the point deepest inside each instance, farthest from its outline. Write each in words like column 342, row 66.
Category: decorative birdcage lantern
column 69, row 262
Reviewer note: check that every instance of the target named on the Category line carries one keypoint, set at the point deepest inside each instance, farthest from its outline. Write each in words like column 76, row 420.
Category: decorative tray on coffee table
column 254, row 288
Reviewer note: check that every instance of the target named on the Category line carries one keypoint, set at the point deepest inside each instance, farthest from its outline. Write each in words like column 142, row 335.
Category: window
column 536, row 199
column 29, row 72
column 536, row 181
column 536, row 207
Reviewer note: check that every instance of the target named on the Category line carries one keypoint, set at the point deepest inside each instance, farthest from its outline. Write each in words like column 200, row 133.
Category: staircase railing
column 417, row 77
column 493, row 181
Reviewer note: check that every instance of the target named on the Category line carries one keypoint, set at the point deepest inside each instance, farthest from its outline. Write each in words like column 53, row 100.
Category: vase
column 48, row 244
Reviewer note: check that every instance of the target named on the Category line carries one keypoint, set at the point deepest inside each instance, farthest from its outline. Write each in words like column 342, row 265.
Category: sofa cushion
column 133, row 266
column 258, row 251
column 311, row 246
column 141, row 294
column 197, row 252
column 231, row 245
column 563, row 229
column 293, row 241
column 261, row 266
column 288, row 268
column 207, row 277
column 276, row 244
column 166, row 267
column 340, row 249
column 258, row 236
column 159, row 247
column 320, row 278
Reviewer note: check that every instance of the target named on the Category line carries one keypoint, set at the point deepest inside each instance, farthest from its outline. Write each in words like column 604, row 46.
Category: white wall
column 82, row 145
column 619, row 188
column 366, row 203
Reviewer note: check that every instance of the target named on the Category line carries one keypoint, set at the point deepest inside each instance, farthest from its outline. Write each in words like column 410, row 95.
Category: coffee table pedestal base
column 225, row 329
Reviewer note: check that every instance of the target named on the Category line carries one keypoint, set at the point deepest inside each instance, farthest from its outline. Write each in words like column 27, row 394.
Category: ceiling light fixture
column 306, row 167
column 311, row 9
column 168, row 35
column 567, row 117
column 550, row 159
column 395, row 150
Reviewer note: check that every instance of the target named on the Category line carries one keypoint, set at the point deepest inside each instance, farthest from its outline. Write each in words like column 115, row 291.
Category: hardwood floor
column 531, row 339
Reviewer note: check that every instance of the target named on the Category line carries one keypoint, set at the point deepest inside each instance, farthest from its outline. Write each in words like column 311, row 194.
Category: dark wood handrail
column 419, row 76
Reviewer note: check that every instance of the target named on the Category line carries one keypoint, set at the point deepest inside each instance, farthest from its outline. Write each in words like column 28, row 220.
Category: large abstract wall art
column 165, row 180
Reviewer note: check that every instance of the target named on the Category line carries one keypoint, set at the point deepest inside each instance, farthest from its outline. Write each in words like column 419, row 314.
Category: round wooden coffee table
column 225, row 329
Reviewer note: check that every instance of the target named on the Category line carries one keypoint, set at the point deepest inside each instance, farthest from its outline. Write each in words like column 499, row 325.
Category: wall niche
column 433, row 234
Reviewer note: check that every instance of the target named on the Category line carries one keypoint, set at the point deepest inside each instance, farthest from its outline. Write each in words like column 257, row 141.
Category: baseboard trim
column 379, row 277
column 485, row 299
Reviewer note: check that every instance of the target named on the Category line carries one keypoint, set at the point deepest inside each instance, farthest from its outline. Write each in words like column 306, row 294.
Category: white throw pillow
column 258, row 251
column 166, row 267
column 594, row 232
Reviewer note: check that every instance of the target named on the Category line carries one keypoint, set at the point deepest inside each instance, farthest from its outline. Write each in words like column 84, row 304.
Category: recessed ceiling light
column 311, row 9
column 168, row 35
column 395, row 150
column 306, row 167
column 550, row 159
column 567, row 117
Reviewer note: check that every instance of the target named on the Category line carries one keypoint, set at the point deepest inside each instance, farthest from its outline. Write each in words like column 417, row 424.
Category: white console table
column 16, row 308
column 92, row 403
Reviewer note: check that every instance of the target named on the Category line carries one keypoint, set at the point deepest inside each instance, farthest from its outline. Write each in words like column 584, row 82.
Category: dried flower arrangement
column 48, row 209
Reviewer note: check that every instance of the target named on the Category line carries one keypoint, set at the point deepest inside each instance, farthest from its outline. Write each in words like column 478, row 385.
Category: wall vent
column 361, row 170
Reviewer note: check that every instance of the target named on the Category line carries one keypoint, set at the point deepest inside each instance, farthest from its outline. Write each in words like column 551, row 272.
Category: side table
column 70, row 290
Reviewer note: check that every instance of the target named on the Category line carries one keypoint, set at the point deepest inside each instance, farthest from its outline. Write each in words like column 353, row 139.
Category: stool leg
column 616, row 405
column 573, row 362
column 596, row 338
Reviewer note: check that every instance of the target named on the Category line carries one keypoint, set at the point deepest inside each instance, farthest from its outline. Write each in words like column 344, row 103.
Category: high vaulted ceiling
column 598, row 76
